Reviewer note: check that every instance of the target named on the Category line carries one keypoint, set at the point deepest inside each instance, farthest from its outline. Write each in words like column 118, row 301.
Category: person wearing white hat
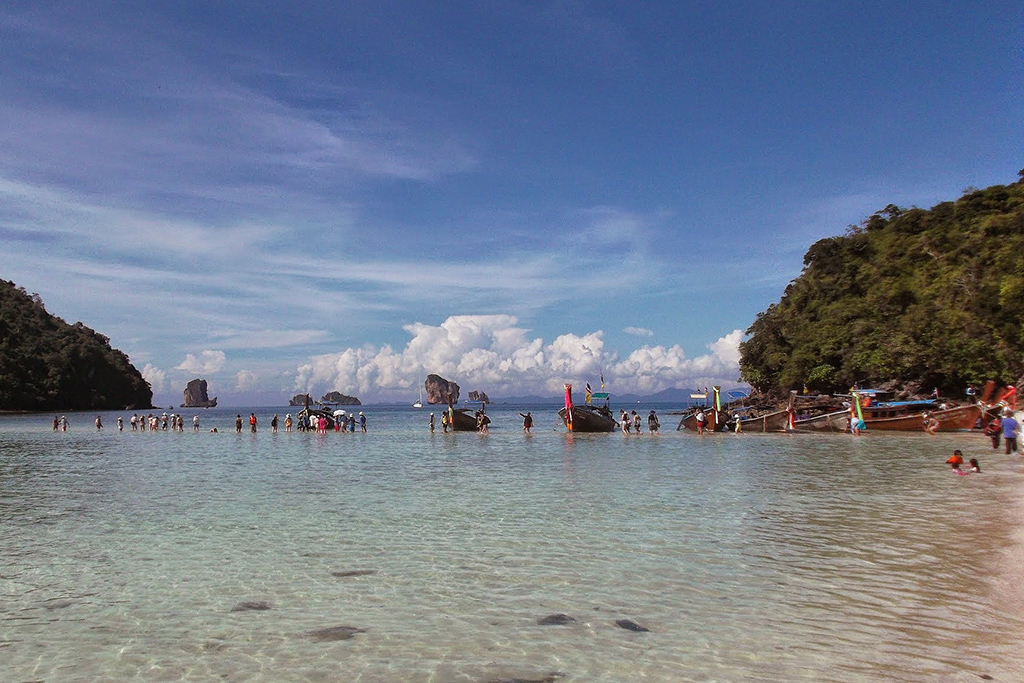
column 1010, row 431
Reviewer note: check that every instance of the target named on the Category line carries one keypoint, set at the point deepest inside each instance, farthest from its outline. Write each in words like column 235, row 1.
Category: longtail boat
column 770, row 422
column 713, row 415
column 837, row 421
column 777, row 421
column 465, row 419
column 587, row 417
column 948, row 420
column 912, row 416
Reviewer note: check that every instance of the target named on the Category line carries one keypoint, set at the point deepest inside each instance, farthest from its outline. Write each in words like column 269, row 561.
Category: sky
column 299, row 197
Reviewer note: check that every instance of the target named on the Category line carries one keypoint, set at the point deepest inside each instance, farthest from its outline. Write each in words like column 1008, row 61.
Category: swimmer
column 975, row 467
column 956, row 460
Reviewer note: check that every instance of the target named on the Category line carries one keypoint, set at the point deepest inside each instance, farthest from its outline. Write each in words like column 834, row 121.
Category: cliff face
column 47, row 364
column 196, row 397
column 479, row 396
column 301, row 400
column 440, row 390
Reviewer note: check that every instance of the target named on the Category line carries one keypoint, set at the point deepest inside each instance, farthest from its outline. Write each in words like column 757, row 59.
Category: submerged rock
column 334, row 633
column 631, row 625
column 550, row 678
column 59, row 603
column 354, row 572
column 251, row 606
column 555, row 620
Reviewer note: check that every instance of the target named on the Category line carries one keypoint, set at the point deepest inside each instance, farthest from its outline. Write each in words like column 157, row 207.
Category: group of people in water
column 176, row 422
column 633, row 420
column 1004, row 428
column 956, row 461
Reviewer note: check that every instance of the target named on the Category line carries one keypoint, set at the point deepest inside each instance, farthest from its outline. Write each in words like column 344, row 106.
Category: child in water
column 956, row 460
column 975, row 467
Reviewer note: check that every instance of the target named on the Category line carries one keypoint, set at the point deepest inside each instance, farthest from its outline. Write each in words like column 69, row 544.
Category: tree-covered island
column 919, row 298
column 47, row 364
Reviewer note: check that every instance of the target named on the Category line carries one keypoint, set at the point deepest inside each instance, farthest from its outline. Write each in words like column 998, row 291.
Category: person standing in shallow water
column 1009, row 431
column 273, row 424
column 527, row 421
column 994, row 430
column 238, row 423
column 252, row 422
column 653, row 425
column 431, row 423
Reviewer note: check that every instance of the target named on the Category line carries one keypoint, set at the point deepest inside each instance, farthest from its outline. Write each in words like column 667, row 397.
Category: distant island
column 47, row 364
column 911, row 298
column 195, row 395
column 331, row 397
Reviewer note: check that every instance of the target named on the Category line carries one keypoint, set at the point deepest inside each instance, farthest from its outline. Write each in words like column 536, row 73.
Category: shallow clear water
column 748, row 557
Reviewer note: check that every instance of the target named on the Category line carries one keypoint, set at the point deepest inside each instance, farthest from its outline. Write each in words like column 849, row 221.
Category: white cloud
column 156, row 377
column 245, row 380
column 208, row 363
column 490, row 352
column 728, row 347
column 639, row 331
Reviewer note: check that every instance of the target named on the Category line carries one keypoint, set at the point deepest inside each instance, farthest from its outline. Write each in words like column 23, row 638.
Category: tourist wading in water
column 1009, row 431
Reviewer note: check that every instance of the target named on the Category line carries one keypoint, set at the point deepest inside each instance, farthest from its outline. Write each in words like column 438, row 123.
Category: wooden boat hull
column 590, row 419
column 950, row 420
column 829, row 422
column 771, row 422
column 715, row 421
column 464, row 420
column 313, row 413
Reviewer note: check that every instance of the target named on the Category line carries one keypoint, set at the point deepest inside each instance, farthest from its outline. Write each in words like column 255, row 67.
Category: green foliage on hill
column 927, row 297
column 47, row 364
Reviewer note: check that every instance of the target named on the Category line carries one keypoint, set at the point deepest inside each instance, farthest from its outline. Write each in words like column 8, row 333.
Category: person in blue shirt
column 1010, row 431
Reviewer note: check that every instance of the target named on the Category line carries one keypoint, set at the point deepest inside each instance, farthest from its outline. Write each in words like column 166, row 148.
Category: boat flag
column 1009, row 397
column 568, row 406
column 588, row 395
column 602, row 381
column 856, row 402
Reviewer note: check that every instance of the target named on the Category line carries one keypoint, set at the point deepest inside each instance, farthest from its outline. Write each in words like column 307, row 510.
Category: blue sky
column 316, row 196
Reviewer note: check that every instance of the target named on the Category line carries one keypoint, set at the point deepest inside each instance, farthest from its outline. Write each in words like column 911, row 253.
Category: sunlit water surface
column 131, row 556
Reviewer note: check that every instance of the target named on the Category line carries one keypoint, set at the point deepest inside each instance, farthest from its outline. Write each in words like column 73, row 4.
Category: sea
column 406, row 555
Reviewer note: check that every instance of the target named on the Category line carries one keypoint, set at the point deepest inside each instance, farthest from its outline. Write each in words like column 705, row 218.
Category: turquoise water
column 748, row 557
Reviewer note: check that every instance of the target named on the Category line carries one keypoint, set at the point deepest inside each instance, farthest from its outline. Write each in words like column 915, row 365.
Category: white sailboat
column 419, row 401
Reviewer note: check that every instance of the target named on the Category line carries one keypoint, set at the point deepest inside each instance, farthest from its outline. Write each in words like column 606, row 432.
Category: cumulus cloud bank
column 208, row 362
column 492, row 353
